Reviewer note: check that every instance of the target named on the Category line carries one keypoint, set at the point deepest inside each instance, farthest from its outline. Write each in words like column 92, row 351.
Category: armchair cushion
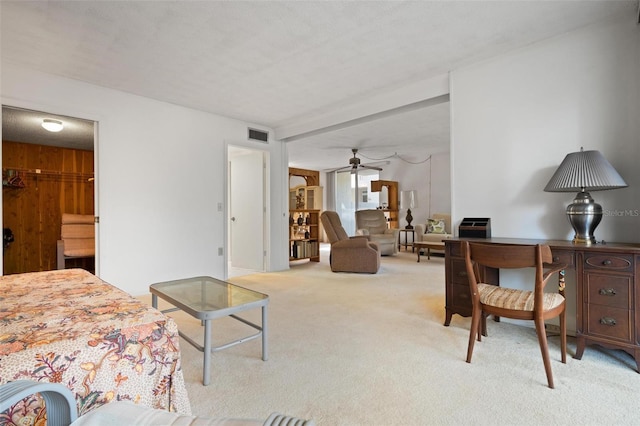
column 435, row 226
column 378, row 229
column 358, row 241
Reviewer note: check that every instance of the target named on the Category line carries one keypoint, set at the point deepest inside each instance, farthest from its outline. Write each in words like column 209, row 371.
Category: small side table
column 206, row 299
column 406, row 243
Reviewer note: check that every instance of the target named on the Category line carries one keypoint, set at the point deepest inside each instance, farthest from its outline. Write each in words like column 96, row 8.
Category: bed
column 71, row 327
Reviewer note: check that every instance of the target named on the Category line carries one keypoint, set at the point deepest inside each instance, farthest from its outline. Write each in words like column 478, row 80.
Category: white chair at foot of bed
column 62, row 411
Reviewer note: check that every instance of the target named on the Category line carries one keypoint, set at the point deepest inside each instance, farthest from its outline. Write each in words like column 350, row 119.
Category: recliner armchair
column 349, row 254
column 373, row 223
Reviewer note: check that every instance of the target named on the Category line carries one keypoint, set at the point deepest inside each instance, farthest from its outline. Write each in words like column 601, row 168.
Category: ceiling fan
column 354, row 164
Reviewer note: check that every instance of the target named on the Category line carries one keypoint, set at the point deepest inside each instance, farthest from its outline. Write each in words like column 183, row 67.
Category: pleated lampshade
column 584, row 170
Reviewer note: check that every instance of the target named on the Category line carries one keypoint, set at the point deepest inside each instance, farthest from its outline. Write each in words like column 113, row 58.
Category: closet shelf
column 16, row 174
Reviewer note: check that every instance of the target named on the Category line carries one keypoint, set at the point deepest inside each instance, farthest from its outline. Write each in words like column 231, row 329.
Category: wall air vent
column 258, row 135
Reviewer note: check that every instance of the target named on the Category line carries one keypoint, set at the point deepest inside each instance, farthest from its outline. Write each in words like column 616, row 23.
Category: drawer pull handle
column 606, row 262
column 462, row 273
column 608, row 321
column 607, row 292
column 555, row 259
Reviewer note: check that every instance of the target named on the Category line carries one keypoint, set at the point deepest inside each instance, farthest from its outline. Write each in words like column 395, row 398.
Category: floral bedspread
column 70, row 327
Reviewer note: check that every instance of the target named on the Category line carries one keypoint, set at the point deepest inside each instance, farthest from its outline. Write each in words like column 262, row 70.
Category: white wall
column 432, row 180
column 160, row 177
column 515, row 117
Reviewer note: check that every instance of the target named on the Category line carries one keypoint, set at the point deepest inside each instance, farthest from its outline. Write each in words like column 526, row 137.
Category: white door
column 246, row 210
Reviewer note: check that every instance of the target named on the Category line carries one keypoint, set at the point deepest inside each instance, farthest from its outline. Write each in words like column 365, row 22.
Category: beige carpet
column 356, row 349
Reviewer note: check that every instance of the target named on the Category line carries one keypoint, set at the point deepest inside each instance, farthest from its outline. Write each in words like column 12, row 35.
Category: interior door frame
column 265, row 210
column 70, row 112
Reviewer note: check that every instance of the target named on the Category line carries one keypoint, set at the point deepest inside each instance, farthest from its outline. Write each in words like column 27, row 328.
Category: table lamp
column 409, row 200
column 584, row 171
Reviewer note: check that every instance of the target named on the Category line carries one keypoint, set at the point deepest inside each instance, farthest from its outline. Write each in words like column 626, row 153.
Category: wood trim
column 312, row 177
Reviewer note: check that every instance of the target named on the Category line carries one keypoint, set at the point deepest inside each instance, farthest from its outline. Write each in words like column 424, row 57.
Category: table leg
column 428, row 253
column 154, row 301
column 206, row 375
column 418, row 255
column 265, row 348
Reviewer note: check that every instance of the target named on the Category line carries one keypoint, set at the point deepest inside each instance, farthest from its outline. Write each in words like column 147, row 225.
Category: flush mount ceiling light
column 52, row 125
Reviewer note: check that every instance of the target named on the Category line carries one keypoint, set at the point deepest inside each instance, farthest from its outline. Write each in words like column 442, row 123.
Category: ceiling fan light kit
column 354, row 164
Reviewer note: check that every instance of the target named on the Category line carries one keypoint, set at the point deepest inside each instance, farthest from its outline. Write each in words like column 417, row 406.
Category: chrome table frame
column 210, row 310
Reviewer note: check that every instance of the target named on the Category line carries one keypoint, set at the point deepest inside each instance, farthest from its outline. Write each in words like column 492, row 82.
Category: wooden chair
column 536, row 305
column 78, row 238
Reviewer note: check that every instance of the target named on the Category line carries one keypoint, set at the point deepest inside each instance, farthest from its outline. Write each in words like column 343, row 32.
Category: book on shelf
column 302, row 249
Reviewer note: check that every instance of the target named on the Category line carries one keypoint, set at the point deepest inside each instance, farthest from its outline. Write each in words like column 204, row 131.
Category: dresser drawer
column 608, row 322
column 617, row 262
column 609, row 290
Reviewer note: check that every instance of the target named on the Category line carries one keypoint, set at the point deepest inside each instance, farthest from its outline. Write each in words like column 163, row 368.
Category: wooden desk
column 607, row 289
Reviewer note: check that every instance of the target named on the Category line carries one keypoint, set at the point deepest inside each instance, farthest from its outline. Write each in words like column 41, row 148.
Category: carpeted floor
column 358, row 349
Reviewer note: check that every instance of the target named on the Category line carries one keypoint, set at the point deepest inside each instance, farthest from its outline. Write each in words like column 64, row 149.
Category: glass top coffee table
column 207, row 298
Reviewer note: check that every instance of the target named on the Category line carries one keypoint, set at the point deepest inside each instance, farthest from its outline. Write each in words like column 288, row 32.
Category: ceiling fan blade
column 338, row 169
column 354, row 165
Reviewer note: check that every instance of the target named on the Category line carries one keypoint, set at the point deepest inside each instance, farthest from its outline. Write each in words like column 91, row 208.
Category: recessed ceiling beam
column 418, row 95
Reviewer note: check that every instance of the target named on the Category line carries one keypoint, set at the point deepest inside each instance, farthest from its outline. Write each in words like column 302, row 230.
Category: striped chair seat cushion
column 510, row 298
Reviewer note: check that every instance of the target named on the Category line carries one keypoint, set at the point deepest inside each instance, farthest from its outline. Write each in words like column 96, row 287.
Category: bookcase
column 391, row 212
column 304, row 232
column 305, row 205
column 305, row 197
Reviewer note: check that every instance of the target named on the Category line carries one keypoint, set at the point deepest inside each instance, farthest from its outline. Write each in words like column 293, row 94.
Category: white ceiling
column 278, row 63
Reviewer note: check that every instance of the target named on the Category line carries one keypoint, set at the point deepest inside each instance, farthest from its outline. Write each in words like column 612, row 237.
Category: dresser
column 607, row 289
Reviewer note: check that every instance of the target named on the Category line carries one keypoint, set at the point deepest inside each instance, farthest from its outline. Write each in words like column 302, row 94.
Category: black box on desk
column 475, row 227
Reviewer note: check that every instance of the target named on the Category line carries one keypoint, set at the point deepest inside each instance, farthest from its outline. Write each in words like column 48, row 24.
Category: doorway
column 247, row 197
column 353, row 192
column 45, row 174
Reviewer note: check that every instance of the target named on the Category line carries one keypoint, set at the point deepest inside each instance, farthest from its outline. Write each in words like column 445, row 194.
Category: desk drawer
column 565, row 257
column 459, row 272
column 456, row 248
column 461, row 296
column 612, row 323
column 609, row 290
column 617, row 262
